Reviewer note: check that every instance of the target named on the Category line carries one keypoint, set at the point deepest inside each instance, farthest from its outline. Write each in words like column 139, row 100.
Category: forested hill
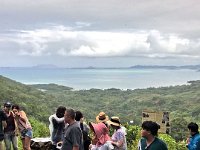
column 41, row 100
column 35, row 102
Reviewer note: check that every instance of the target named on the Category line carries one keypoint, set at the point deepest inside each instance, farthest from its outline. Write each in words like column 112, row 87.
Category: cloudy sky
column 101, row 33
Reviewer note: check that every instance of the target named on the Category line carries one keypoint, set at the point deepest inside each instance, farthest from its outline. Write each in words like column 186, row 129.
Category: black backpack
column 86, row 138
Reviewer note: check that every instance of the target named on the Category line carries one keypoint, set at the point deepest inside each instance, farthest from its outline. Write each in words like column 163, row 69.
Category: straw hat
column 114, row 121
column 102, row 117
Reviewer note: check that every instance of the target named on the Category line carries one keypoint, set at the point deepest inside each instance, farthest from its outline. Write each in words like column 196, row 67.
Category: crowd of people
column 68, row 131
column 76, row 133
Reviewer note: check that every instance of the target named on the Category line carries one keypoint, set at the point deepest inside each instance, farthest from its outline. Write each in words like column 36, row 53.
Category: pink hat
column 101, row 132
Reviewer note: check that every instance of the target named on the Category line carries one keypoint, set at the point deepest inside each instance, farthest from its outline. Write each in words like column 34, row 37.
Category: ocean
column 102, row 78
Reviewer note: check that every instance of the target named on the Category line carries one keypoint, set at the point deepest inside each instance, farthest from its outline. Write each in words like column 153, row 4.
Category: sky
column 99, row 33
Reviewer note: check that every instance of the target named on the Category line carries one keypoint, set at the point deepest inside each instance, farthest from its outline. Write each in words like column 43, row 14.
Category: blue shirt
column 194, row 142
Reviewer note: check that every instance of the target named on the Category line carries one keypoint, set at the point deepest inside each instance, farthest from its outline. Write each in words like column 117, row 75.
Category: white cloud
column 65, row 41
column 62, row 52
column 42, row 30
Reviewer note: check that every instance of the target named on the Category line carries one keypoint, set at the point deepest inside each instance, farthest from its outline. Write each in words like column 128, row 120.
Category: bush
column 39, row 128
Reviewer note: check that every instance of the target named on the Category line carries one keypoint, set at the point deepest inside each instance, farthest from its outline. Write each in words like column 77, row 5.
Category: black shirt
column 3, row 117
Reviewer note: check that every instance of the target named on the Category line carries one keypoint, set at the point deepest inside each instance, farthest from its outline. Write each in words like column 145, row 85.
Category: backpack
column 86, row 138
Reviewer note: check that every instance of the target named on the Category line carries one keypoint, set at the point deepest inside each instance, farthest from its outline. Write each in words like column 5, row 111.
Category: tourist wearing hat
column 101, row 140
column 118, row 137
column 102, row 117
column 11, row 130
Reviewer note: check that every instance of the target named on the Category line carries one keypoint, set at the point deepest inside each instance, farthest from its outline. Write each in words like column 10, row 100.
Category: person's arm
column 75, row 148
column 4, row 124
column 20, row 115
column 23, row 116
column 118, row 143
column 4, row 117
column 120, row 140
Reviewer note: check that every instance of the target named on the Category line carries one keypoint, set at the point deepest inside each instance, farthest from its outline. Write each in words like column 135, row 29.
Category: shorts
column 27, row 132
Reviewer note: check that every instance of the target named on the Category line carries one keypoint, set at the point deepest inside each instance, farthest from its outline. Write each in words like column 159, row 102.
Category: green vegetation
column 40, row 101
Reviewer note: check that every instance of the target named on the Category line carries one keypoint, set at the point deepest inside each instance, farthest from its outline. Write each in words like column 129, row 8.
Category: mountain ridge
column 50, row 66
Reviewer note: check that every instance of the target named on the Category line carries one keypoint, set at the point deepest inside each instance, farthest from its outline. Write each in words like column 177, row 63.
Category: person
column 101, row 139
column 3, row 124
column 56, row 127
column 24, row 126
column 73, row 138
column 102, row 117
column 119, row 135
column 10, row 132
column 193, row 143
column 149, row 140
column 85, row 130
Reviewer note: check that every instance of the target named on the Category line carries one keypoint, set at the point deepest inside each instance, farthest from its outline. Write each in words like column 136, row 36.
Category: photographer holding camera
column 24, row 126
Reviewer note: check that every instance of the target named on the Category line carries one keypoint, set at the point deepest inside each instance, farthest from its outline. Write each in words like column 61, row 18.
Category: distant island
column 193, row 67
column 171, row 67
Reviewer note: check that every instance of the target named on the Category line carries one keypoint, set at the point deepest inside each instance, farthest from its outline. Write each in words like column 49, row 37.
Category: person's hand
column 16, row 114
column 90, row 146
column 113, row 143
column 94, row 141
column 188, row 140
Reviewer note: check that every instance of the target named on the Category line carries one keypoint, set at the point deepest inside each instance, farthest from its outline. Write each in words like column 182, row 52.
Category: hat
column 101, row 132
column 7, row 104
column 114, row 121
column 102, row 117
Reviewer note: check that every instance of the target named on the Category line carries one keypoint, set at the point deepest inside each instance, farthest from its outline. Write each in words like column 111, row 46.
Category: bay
column 102, row 78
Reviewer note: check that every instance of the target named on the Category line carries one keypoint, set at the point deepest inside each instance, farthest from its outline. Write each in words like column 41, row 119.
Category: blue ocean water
column 102, row 78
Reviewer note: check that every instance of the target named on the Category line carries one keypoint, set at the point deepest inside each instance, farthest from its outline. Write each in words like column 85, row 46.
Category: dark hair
column 193, row 127
column 151, row 126
column 78, row 116
column 7, row 104
column 60, row 111
column 15, row 106
column 71, row 113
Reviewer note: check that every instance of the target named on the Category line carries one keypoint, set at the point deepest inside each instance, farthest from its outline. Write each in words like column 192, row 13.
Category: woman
column 24, row 126
column 118, row 137
column 101, row 140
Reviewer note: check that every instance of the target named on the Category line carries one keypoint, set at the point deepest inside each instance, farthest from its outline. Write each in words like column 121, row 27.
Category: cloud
column 67, row 41
column 167, row 16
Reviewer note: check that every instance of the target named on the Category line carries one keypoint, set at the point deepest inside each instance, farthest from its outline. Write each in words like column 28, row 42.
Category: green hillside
column 181, row 101
column 40, row 101
column 35, row 102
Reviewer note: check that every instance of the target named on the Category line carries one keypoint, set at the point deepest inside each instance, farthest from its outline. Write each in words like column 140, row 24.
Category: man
column 56, row 126
column 73, row 139
column 150, row 141
column 10, row 131
column 193, row 143
column 84, row 128
column 2, row 125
